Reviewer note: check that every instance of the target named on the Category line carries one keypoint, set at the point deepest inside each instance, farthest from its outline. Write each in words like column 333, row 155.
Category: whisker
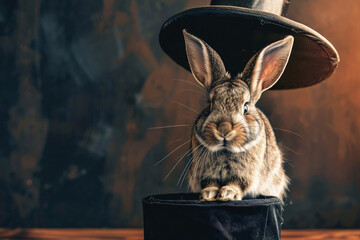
column 169, row 126
column 291, row 150
column 197, row 157
column 185, row 81
column 177, row 163
column 285, row 130
column 207, row 155
column 185, row 106
column 198, row 167
column 171, row 152
column 288, row 161
column 191, row 90
column 186, row 169
column 183, row 174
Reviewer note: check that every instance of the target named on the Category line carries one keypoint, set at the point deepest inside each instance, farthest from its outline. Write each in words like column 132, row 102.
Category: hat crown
column 278, row 7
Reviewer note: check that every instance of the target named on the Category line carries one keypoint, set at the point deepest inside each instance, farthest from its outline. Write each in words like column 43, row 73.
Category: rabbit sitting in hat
column 233, row 144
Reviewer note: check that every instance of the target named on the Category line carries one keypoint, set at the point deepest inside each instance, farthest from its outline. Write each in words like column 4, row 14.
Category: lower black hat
column 183, row 216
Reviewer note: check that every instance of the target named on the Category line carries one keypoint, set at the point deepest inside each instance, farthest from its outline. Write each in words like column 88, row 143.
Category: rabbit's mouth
column 215, row 138
column 224, row 145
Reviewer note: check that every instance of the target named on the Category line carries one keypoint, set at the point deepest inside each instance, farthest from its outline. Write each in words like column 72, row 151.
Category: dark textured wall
column 83, row 81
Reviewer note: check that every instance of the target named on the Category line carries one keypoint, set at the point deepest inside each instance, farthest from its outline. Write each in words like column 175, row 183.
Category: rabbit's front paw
column 229, row 193
column 209, row 193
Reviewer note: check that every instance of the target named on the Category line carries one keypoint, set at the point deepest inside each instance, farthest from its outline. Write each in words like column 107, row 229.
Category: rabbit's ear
column 266, row 68
column 205, row 64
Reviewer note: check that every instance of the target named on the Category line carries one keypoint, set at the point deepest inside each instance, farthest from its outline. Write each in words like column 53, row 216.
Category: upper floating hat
column 237, row 29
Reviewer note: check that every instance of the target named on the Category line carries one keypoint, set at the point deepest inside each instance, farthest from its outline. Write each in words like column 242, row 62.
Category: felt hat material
column 240, row 28
column 182, row 216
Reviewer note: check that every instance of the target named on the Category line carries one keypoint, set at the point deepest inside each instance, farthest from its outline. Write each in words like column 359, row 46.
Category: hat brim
column 237, row 33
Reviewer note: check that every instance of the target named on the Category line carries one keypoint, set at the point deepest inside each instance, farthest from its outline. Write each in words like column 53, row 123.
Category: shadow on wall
column 83, row 83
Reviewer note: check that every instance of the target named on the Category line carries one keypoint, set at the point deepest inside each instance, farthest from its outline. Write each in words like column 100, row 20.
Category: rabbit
column 234, row 149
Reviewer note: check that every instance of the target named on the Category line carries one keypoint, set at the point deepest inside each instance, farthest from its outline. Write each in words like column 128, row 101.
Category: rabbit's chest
column 224, row 168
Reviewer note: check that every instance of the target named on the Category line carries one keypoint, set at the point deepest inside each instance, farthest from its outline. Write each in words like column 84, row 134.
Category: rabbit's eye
column 246, row 108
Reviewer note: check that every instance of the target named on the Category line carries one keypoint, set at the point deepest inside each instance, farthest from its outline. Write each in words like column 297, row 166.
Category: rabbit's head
column 231, row 121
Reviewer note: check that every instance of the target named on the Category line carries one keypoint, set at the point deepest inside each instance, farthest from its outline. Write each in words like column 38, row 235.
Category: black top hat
column 182, row 216
column 237, row 29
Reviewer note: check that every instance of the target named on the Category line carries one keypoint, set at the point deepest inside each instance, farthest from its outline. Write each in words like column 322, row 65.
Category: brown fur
column 233, row 145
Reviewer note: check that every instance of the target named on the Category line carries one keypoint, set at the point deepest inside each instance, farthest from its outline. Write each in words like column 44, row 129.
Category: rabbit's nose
column 224, row 128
